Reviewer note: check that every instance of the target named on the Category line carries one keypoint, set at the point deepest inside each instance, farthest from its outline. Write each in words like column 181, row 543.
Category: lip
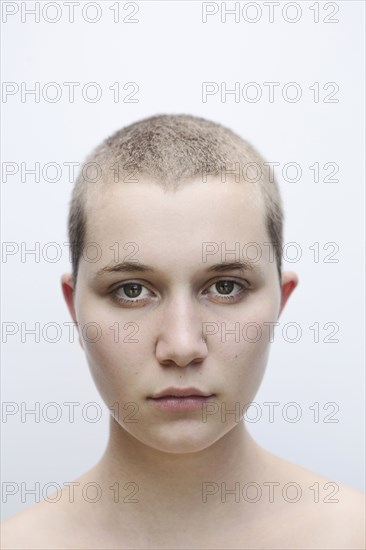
column 181, row 392
column 180, row 399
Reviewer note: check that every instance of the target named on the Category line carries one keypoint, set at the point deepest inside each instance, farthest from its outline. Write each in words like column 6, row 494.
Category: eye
column 226, row 286
column 131, row 290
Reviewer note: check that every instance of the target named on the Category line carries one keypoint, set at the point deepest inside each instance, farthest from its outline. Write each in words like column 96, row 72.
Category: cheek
column 242, row 344
column 113, row 347
column 247, row 330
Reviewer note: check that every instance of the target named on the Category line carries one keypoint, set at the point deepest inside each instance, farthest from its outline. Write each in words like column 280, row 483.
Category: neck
column 233, row 454
column 171, row 488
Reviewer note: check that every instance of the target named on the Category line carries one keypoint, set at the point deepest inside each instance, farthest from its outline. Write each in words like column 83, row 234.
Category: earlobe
column 289, row 282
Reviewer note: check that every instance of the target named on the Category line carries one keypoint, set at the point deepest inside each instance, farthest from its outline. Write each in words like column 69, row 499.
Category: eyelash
column 228, row 299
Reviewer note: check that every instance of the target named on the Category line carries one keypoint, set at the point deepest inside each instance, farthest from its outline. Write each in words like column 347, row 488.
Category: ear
column 68, row 290
column 289, row 281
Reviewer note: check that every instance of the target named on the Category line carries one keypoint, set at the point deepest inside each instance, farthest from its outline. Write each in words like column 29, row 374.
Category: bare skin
column 177, row 465
column 280, row 524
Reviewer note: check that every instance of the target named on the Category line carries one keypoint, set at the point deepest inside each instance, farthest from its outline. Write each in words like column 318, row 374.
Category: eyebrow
column 128, row 267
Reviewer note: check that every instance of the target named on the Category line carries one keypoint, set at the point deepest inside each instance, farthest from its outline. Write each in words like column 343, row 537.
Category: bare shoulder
column 41, row 526
column 327, row 514
column 18, row 530
column 347, row 517
column 52, row 525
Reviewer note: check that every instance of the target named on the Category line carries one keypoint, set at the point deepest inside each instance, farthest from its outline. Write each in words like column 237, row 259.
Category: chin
column 182, row 439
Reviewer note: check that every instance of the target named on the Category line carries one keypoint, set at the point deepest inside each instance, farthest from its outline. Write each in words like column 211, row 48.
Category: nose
column 180, row 338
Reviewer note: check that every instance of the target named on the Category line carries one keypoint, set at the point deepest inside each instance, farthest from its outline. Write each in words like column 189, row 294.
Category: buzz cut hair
column 171, row 151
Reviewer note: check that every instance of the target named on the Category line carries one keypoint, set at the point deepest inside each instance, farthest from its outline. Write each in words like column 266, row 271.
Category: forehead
column 177, row 223
column 148, row 208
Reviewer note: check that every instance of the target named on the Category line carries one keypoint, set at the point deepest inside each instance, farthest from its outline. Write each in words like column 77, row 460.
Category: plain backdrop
column 169, row 52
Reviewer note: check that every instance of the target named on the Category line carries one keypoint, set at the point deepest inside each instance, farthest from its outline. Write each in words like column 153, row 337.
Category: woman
column 175, row 314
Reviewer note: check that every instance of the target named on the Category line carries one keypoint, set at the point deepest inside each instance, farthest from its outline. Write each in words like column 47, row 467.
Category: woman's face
column 178, row 324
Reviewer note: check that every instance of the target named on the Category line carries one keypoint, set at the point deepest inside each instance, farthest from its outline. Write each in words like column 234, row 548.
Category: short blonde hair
column 171, row 150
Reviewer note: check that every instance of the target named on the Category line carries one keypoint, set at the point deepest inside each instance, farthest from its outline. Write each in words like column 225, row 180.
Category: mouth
column 180, row 399
column 181, row 392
